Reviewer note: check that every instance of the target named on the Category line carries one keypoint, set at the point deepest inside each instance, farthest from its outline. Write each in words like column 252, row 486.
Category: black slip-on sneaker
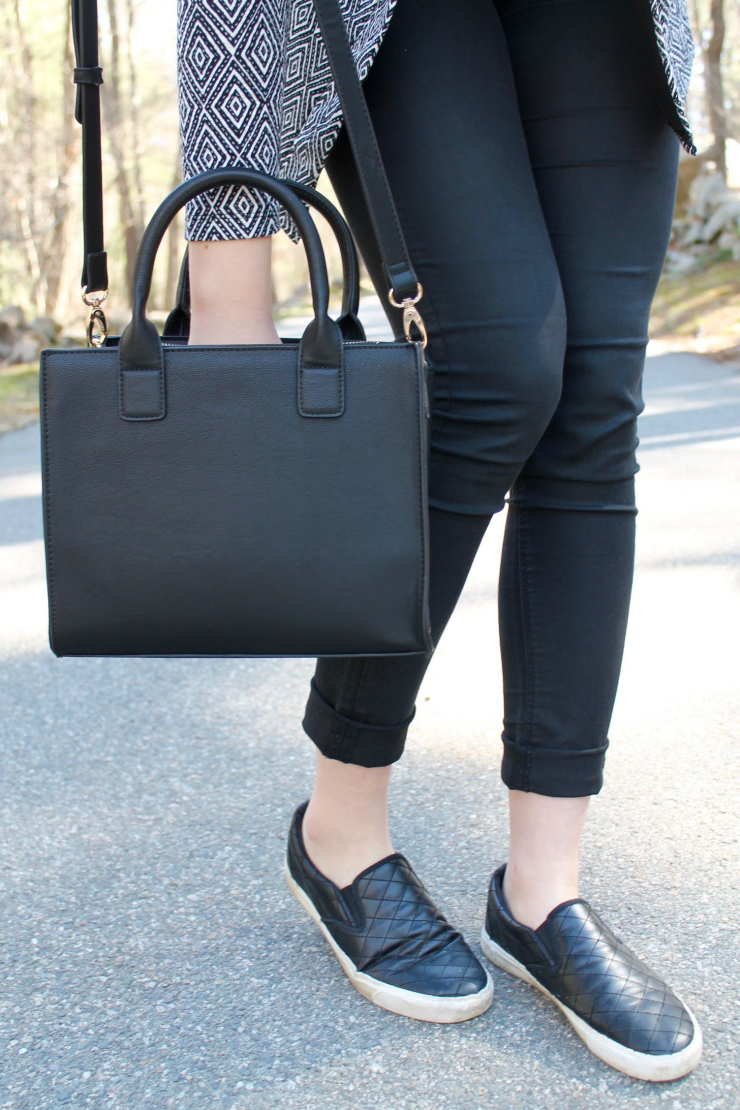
column 394, row 945
column 623, row 1011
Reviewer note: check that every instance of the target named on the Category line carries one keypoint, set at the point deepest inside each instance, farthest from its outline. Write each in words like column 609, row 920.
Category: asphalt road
column 151, row 955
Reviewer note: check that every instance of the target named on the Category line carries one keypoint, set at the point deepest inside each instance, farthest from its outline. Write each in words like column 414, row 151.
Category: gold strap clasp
column 97, row 325
column 411, row 315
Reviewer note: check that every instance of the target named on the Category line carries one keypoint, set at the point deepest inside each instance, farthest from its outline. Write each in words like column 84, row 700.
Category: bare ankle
column 343, row 857
column 345, row 827
column 531, row 896
column 542, row 871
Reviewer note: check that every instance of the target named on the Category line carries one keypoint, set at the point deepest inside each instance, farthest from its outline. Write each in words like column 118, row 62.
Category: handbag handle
column 178, row 321
column 141, row 347
column 347, row 248
column 404, row 288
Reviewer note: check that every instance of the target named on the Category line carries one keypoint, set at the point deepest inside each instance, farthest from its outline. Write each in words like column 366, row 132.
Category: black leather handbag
column 229, row 500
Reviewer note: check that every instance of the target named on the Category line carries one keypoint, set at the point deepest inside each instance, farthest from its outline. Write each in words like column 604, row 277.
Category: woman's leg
column 604, row 161
column 564, row 593
column 493, row 309
column 605, row 166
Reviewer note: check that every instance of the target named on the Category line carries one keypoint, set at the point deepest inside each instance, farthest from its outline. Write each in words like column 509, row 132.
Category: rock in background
column 707, row 223
column 22, row 341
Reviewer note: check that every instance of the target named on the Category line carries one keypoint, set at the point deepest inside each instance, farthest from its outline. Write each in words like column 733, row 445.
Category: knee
column 541, row 380
column 493, row 401
column 533, row 375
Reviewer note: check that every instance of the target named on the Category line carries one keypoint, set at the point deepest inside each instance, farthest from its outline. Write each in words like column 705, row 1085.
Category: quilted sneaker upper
column 580, row 961
column 388, row 925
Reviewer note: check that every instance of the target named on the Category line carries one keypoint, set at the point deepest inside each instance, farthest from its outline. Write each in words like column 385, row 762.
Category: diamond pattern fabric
column 575, row 956
column 255, row 89
column 676, row 45
column 389, row 926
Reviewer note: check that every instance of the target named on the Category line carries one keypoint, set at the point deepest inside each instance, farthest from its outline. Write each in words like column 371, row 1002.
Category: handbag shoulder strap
column 404, row 288
column 399, row 272
column 88, row 77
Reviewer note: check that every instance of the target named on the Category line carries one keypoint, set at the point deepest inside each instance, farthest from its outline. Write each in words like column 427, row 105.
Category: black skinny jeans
column 534, row 175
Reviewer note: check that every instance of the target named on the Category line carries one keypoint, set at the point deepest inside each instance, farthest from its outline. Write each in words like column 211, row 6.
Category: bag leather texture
column 235, row 525
column 265, row 500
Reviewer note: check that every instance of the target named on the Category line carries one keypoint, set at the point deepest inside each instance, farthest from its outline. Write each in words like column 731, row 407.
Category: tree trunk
column 60, row 200
column 25, row 138
column 131, row 225
column 713, row 85
column 135, row 123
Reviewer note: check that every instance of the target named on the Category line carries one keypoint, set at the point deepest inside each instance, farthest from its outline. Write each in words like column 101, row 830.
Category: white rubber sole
column 423, row 1007
column 639, row 1065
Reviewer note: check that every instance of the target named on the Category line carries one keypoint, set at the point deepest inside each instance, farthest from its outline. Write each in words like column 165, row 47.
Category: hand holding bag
column 241, row 500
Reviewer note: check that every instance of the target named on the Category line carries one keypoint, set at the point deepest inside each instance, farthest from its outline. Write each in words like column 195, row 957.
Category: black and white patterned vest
column 255, row 89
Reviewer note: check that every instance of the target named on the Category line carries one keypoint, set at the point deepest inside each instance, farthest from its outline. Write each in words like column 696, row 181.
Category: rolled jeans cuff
column 555, row 772
column 349, row 740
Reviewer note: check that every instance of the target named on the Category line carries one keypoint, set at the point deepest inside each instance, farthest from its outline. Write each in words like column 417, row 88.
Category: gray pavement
column 151, row 956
